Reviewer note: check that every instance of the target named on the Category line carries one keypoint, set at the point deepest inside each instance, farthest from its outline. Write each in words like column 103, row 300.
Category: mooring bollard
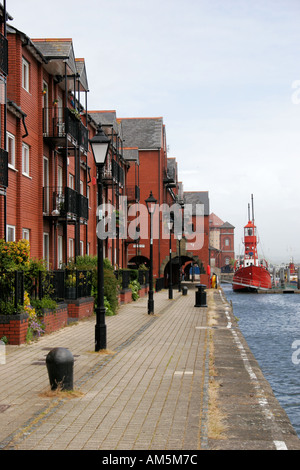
column 184, row 290
column 200, row 296
column 59, row 363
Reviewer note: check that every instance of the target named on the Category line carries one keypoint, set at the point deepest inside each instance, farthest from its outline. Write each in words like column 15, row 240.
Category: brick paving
column 148, row 392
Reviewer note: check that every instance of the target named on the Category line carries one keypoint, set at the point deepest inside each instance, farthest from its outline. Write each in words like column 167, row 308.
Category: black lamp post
column 170, row 226
column 179, row 237
column 151, row 205
column 100, row 143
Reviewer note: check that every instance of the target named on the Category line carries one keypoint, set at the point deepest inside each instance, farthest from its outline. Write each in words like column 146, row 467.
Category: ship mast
column 250, row 239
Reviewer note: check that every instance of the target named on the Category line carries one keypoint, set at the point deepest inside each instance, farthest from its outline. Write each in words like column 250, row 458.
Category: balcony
column 59, row 123
column 169, row 178
column 64, row 203
column 133, row 193
column 114, row 173
column 3, row 168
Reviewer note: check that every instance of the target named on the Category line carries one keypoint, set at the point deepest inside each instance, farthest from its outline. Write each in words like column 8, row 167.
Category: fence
column 58, row 285
column 12, row 287
column 126, row 276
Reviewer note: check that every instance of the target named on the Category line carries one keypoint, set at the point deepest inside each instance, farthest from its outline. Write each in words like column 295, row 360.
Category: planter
column 14, row 327
column 125, row 296
column 80, row 308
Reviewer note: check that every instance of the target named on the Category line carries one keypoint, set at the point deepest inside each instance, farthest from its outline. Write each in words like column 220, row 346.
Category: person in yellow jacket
column 213, row 281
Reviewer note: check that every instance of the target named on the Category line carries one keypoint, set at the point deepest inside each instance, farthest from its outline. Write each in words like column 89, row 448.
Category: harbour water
column 270, row 323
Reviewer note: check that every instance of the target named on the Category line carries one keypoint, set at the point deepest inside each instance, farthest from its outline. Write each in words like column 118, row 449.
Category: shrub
column 135, row 287
column 14, row 255
column 8, row 308
column 89, row 263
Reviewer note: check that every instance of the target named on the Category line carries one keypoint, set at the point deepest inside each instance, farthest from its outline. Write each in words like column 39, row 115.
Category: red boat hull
column 251, row 278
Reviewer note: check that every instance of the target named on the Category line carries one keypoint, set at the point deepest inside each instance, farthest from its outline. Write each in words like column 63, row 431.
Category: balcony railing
column 60, row 122
column 114, row 173
column 64, row 202
column 133, row 193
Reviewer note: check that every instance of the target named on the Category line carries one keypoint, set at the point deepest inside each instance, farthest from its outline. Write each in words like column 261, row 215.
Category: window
column 45, row 108
column 26, row 234
column 25, row 159
column 71, row 181
column 227, row 242
column 10, row 139
column 46, row 184
column 59, row 251
column 81, row 248
column 81, row 187
column 25, row 74
column 59, row 178
column 10, row 233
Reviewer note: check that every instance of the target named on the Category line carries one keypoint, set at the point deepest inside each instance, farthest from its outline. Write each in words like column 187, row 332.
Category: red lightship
column 251, row 273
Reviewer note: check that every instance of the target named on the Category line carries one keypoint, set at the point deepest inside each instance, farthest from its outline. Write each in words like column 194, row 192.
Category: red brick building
column 51, row 195
column 221, row 240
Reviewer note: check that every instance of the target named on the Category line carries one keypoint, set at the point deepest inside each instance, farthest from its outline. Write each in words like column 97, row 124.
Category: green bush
column 111, row 285
column 8, row 308
column 135, row 287
column 45, row 302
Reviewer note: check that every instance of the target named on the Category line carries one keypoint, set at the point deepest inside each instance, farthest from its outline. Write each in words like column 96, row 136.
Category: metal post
column 100, row 328
column 179, row 261
column 150, row 297
column 170, row 269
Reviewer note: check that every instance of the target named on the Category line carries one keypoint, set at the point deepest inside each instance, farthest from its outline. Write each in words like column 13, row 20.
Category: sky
column 225, row 77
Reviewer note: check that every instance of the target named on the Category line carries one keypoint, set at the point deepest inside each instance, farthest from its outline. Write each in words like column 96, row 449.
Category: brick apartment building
column 48, row 194
column 221, row 243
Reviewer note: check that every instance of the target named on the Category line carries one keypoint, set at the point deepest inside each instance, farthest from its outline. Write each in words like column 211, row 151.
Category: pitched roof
column 215, row 221
column 57, row 49
column 105, row 118
column 197, row 197
column 144, row 133
column 227, row 225
column 81, row 70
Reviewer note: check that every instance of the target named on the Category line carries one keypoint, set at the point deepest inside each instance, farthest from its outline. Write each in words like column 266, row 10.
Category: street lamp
column 151, row 205
column 170, row 226
column 100, row 143
column 179, row 237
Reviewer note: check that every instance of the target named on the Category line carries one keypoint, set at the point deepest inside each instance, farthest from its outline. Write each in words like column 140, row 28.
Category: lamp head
column 151, row 203
column 100, row 143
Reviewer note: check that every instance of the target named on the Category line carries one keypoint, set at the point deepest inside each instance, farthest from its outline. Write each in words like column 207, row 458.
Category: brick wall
column 80, row 308
column 14, row 327
column 54, row 320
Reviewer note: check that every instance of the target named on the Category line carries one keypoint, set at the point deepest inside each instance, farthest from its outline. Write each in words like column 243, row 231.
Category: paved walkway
column 151, row 389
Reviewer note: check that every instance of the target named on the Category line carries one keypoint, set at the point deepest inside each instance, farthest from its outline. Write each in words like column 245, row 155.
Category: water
column 270, row 323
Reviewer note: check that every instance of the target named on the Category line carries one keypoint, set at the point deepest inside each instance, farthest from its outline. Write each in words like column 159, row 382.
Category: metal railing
column 59, row 122
column 63, row 201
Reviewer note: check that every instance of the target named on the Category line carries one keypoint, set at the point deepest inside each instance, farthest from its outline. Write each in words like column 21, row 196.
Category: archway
column 136, row 261
column 191, row 268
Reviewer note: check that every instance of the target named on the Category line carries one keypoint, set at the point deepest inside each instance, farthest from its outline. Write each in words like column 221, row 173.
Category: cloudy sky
column 224, row 75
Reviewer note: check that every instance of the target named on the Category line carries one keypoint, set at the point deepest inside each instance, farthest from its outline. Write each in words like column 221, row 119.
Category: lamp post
column 100, row 143
column 170, row 226
column 179, row 237
column 151, row 205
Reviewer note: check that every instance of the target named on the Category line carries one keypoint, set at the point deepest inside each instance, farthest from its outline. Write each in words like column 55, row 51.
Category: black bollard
column 200, row 296
column 184, row 290
column 59, row 363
